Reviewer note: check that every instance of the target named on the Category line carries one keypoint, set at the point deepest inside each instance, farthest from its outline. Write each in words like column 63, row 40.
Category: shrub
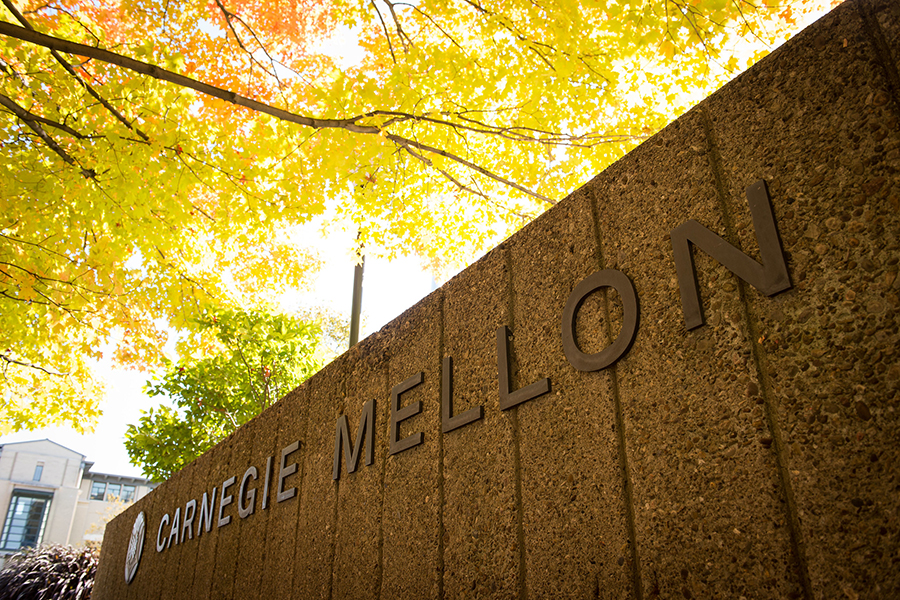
column 49, row 573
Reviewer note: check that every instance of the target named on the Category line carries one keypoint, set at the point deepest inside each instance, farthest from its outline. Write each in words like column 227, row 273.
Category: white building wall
column 73, row 517
column 91, row 516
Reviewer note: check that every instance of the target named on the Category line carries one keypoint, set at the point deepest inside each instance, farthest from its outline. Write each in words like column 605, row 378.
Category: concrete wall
column 755, row 456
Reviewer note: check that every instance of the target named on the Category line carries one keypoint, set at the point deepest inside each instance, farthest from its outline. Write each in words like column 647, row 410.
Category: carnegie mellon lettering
column 240, row 498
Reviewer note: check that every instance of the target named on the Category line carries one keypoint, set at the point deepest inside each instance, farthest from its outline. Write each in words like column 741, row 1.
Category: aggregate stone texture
column 149, row 578
column 179, row 550
column 252, row 546
column 754, row 456
column 185, row 575
column 828, row 142
column 574, row 526
column 882, row 18
column 358, row 566
column 411, row 513
column 703, row 481
column 208, row 584
column 228, row 555
column 479, row 517
column 283, row 556
column 110, row 578
column 307, row 553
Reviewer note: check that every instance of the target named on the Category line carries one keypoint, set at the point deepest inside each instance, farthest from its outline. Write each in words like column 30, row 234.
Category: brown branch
column 6, row 101
column 167, row 263
column 430, row 163
column 43, row 279
column 685, row 12
column 514, row 30
column 439, row 28
column 40, row 247
column 54, row 43
column 517, row 133
column 384, row 27
column 407, row 42
column 228, row 17
column 68, row 67
column 349, row 124
column 240, row 352
column 33, row 124
column 32, row 301
column 401, row 141
column 31, row 366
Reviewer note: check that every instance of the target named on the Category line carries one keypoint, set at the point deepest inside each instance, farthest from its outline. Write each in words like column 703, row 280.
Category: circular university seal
column 135, row 547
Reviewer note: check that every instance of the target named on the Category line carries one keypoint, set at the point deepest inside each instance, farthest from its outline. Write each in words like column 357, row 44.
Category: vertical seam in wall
column 379, row 574
column 440, row 438
column 636, row 583
column 167, row 557
column 240, row 523
column 337, row 497
column 273, row 441
column 514, row 420
column 189, row 590
column 306, row 395
column 263, row 555
column 882, row 49
column 334, row 521
column 179, row 589
column 212, row 580
column 759, row 363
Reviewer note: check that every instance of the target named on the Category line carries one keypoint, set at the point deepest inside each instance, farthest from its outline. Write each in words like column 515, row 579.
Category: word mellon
column 769, row 277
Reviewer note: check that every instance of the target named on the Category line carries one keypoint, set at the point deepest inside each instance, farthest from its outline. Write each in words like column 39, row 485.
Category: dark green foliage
column 243, row 362
column 49, row 573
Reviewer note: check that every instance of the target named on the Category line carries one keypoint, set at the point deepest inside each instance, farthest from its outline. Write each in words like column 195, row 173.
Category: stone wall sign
column 682, row 381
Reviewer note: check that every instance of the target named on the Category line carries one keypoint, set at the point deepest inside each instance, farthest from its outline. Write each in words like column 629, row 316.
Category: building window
column 127, row 493
column 98, row 490
column 25, row 520
column 38, row 471
column 113, row 491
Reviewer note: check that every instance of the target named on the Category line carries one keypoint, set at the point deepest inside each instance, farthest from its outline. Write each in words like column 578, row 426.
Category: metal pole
column 357, row 301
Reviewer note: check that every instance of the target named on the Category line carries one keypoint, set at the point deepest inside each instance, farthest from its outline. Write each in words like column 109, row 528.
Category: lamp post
column 356, row 305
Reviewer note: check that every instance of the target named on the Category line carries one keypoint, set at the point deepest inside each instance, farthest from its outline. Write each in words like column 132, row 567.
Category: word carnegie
column 179, row 530
column 769, row 277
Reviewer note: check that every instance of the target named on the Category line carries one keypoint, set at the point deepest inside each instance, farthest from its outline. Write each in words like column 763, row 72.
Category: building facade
column 48, row 494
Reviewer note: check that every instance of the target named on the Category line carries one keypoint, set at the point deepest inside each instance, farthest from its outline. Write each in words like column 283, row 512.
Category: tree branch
column 53, row 43
column 34, row 124
column 406, row 143
column 439, row 28
column 228, row 17
column 6, row 101
column 384, row 27
column 13, row 361
column 428, row 163
column 400, row 33
column 350, row 124
column 68, row 67
column 39, row 247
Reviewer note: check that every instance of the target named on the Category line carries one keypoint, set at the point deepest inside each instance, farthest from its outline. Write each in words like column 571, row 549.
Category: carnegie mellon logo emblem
column 135, row 547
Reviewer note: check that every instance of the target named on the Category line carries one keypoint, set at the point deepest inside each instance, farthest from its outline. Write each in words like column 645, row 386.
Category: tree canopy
column 244, row 361
column 159, row 154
